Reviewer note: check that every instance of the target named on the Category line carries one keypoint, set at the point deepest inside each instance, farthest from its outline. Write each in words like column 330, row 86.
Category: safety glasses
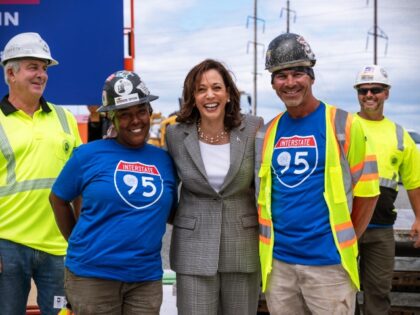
column 374, row 90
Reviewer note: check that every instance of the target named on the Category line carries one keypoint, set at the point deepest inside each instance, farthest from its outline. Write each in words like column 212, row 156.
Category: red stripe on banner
column 20, row 1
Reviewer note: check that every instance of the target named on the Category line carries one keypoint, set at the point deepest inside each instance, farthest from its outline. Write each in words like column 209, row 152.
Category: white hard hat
column 372, row 74
column 29, row 45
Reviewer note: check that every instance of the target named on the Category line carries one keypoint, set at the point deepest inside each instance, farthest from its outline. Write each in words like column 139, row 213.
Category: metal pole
column 254, row 103
column 288, row 17
column 375, row 31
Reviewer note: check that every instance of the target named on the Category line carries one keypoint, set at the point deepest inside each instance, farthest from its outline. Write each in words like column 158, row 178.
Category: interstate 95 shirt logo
column 139, row 185
column 295, row 159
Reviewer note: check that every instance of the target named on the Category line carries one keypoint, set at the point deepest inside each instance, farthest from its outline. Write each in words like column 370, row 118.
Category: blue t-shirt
column 127, row 197
column 302, row 231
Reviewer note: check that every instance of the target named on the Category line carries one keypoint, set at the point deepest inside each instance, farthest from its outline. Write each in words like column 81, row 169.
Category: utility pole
column 288, row 10
column 255, row 44
column 376, row 32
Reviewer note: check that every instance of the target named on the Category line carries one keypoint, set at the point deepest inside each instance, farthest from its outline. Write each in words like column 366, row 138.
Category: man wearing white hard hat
column 398, row 160
column 37, row 138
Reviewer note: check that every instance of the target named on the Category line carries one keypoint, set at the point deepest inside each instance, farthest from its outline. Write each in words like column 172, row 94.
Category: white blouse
column 216, row 158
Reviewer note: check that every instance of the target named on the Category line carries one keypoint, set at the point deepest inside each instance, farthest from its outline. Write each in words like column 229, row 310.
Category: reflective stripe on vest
column 63, row 119
column 366, row 170
column 342, row 132
column 389, row 183
column 400, row 137
column 12, row 186
column 265, row 229
column 7, row 151
column 342, row 127
column 266, row 225
column 32, row 184
column 346, row 236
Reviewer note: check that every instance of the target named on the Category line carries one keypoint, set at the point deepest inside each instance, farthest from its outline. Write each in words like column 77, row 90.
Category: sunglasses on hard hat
column 374, row 90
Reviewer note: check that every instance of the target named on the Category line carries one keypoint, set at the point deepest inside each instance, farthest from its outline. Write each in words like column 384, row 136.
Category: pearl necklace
column 216, row 139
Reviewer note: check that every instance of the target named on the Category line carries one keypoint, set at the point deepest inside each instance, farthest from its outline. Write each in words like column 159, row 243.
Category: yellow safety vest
column 349, row 172
column 33, row 150
column 398, row 156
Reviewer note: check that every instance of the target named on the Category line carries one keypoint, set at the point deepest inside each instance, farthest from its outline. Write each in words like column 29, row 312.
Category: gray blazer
column 214, row 231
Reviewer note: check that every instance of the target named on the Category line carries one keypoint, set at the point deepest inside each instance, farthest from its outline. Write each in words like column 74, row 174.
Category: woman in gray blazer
column 214, row 246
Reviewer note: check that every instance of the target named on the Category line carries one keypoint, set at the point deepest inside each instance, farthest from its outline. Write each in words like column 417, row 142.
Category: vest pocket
column 337, row 185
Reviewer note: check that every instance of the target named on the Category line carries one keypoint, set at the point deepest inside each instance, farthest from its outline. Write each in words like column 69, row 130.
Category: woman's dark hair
column 189, row 113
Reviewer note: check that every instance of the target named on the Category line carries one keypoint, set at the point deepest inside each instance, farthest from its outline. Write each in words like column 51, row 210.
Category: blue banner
column 86, row 37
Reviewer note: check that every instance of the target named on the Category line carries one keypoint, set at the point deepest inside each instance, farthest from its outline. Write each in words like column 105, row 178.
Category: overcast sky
column 173, row 36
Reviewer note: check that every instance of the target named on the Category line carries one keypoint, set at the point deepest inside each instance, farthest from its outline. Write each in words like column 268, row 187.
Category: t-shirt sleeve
column 363, row 163
column 410, row 166
column 69, row 182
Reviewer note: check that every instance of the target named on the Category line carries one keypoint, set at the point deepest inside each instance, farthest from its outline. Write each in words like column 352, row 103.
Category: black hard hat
column 124, row 89
column 288, row 50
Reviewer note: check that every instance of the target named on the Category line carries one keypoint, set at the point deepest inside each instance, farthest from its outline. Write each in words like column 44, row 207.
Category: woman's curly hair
column 189, row 113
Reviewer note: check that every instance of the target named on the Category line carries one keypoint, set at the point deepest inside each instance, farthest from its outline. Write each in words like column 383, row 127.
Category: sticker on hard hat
column 305, row 45
column 366, row 77
column 142, row 87
column 367, row 74
column 295, row 159
column 123, row 87
column 369, row 70
column 110, row 77
column 383, row 72
column 126, row 99
column 139, row 185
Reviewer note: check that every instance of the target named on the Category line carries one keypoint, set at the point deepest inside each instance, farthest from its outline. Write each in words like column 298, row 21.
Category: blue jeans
column 18, row 264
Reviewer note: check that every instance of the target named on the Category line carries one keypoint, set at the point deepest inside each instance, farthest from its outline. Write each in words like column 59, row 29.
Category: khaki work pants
column 318, row 290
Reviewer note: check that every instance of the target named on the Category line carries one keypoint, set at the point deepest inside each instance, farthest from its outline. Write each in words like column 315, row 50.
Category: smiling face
column 372, row 98
column 293, row 87
column 30, row 80
column 211, row 96
column 132, row 125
